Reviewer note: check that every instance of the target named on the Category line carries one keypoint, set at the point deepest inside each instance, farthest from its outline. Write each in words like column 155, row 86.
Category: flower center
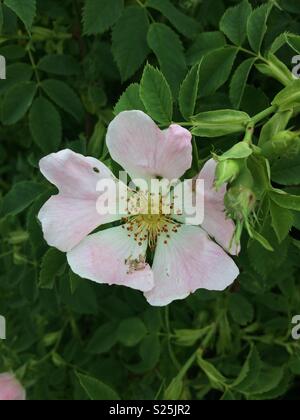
column 150, row 221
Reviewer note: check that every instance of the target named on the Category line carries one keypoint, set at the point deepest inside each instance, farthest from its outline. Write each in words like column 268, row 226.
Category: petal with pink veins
column 145, row 151
column 71, row 215
column 187, row 262
column 113, row 256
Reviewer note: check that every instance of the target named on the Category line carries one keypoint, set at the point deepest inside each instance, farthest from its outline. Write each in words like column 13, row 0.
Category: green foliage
column 223, row 71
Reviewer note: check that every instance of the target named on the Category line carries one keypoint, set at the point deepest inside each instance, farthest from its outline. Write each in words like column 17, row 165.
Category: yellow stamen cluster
column 149, row 221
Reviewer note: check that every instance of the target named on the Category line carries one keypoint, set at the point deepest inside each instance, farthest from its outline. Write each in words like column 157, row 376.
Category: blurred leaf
column 45, row 125
column 17, row 101
column 64, row 96
column 100, row 15
column 52, row 264
column 20, row 197
column 131, row 331
column 97, row 390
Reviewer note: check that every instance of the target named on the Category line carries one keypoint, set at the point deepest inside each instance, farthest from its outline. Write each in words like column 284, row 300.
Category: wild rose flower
column 185, row 258
column 10, row 388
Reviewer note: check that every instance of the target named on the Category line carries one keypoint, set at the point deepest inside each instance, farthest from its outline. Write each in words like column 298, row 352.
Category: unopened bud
column 240, row 202
column 227, row 171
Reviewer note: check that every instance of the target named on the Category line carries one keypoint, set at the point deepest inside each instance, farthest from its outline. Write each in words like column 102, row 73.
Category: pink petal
column 71, row 215
column 216, row 224
column 145, row 151
column 112, row 257
column 189, row 261
column 10, row 388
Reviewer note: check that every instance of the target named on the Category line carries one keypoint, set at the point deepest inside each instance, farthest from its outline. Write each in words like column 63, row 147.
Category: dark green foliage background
column 68, row 63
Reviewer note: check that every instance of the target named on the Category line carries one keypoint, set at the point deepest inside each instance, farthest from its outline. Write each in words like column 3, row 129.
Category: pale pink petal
column 71, row 215
column 216, row 223
column 113, row 256
column 145, row 151
column 10, row 388
column 188, row 261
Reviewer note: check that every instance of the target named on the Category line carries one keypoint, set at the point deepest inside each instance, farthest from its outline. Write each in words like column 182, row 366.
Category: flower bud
column 283, row 143
column 240, row 202
column 10, row 388
column 227, row 171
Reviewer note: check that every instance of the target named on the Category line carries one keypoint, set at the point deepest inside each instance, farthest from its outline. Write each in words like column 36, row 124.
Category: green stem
column 168, row 329
column 264, row 114
column 253, row 54
column 249, row 133
column 34, row 66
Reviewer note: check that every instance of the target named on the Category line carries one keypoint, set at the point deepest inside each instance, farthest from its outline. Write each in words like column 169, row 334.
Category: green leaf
column 100, row 15
column 64, row 65
column 277, row 69
column 219, row 123
column 156, row 95
column 234, row 22
column 20, row 197
column 53, row 263
column 241, row 150
column 185, row 337
column 129, row 40
column 257, row 26
column 15, row 74
column 64, row 96
column 286, row 201
column 103, row 339
column 262, row 241
column 239, row 81
column 131, row 331
column 167, row 46
column 277, row 123
column 204, row 43
column 215, row 69
column 217, row 380
column 45, row 125
column 174, row 389
column 289, row 97
column 249, row 372
column 184, row 24
column 17, row 101
column 189, row 92
column 240, row 309
column 267, row 379
column 97, row 390
column 293, row 41
column 130, row 100
column 1, row 17
column 286, row 171
column 282, row 221
column 24, row 9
